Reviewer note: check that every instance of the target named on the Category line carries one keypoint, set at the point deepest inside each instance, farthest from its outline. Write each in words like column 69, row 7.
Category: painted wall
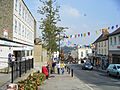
column 83, row 50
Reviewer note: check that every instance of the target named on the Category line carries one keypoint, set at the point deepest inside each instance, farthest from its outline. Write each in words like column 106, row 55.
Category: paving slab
column 64, row 82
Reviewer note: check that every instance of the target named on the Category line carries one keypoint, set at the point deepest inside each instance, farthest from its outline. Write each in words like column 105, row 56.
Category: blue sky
column 82, row 16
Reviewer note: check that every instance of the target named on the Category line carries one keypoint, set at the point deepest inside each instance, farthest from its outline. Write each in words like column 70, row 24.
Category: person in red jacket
column 45, row 71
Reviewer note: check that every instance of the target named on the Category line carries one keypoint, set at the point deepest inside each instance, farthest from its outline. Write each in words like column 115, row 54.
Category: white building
column 114, row 47
column 17, row 30
column 83, row 52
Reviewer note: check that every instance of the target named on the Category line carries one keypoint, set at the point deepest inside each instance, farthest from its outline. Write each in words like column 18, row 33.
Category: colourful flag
column 84, row 34
column 88, row 33
column 81, row 35
column 70, row 36
column 116, row 26
column 112, row 27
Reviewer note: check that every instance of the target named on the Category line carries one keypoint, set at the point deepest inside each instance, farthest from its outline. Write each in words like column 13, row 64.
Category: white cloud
column 70, row 11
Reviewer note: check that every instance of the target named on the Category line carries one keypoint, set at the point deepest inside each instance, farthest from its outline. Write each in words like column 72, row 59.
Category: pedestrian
column 45, row 71
column 62, row 65
column 53, row 67
column 9, row 60
column 58, row 67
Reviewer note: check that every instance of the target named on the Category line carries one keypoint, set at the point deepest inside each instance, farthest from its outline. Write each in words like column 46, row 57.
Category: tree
column 50, row 30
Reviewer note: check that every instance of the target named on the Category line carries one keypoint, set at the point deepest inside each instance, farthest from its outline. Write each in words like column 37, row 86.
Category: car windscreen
column 87, row 64
column 118, row 67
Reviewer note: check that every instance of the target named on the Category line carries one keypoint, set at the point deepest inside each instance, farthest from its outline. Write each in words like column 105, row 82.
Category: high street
column 96, row 80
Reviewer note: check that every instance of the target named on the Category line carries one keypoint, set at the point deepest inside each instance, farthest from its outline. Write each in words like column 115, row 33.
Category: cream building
column 17, row 28
column 114, row 47
column 83, row 52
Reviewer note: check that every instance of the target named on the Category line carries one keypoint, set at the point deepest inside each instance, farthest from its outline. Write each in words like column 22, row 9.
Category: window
column 81, row 54
column 102, row 44
column 19, row 9
column 22, row 30
column 111, row 41
column 16, row 5
column 27, row 53
column 19, row 28
column 23, row 12
column 15, row 26
column 25, row 32
column 102, row 51
column 119, row 39
column 86, row 52
column 115, row 41
column 99, row 51
column 105, row 51
column 31, row 52
column 99, row 44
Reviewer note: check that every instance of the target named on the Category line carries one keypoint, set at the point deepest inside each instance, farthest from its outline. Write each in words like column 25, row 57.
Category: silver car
column 113, row 69
column 87, row 66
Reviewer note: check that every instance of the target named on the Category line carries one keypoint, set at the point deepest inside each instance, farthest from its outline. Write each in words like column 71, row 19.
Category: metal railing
column 20, row 67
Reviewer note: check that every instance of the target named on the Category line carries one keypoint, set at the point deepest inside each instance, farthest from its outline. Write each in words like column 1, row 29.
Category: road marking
column 89, row 87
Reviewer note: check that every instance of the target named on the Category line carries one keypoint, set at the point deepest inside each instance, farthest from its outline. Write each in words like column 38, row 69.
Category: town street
column 96, row 80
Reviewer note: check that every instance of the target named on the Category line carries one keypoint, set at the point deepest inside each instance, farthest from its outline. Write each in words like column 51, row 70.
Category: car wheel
column 91, row 68
column 117, row 74
column 108, row 73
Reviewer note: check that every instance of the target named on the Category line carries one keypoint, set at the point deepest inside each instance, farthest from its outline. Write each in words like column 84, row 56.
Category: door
column 114, row 71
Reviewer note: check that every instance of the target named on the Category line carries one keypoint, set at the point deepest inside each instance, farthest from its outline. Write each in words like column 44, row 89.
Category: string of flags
column 89, row 33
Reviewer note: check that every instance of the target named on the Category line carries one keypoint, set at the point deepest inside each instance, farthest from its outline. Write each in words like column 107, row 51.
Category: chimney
column 105, row 32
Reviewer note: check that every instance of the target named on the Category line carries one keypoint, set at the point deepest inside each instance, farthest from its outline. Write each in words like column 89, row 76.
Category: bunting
column 89, row 33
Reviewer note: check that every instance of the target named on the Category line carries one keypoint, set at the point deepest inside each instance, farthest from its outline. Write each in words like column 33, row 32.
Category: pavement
column 5, row 79
column 64, row 82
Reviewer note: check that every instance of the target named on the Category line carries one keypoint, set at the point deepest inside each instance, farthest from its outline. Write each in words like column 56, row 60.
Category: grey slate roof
column 115, row 32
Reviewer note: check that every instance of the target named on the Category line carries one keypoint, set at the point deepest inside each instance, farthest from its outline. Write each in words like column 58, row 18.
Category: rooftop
column 115, row 32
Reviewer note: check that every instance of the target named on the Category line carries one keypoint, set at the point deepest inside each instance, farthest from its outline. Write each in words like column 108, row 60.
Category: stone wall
column 6, row 18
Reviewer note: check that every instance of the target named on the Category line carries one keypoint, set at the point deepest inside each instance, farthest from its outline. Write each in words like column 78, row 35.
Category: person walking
column 62, row 65
column 58, row 67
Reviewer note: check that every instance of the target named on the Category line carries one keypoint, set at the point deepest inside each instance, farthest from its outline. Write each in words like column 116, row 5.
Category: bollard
column 68, row 70
column 12, row 76
column 71, row 72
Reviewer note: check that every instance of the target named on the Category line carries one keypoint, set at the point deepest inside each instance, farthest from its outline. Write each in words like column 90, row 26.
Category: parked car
column 87, row 65
column 113, row 69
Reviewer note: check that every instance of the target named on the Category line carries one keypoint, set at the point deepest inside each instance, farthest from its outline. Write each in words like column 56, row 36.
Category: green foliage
column 32, row 82
column 48, row 25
